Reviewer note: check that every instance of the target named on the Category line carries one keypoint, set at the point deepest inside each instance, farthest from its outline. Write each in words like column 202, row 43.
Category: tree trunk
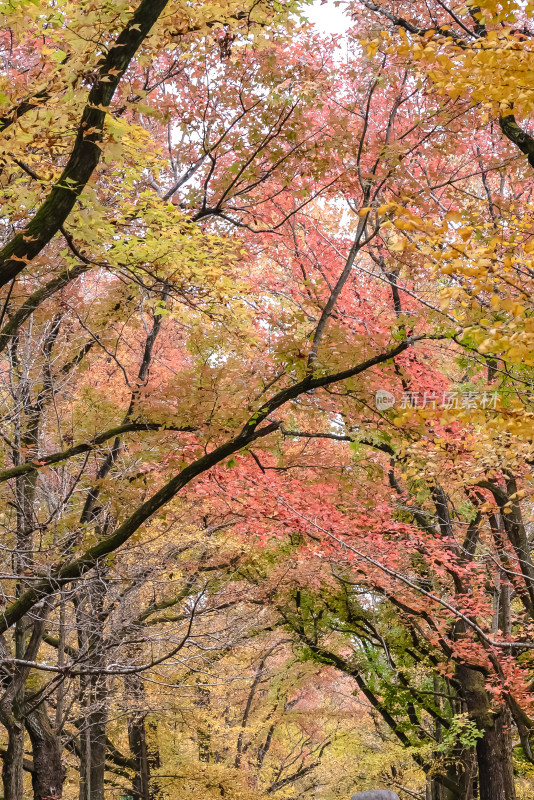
column 493, row 748
column 458, row 784
column 157, row 791
column 142, row 737
column 48, row 774
column 12, row 771
column 85, row 758
column 26, row 437
column 494, row 756
column 93, row 689
column 97, row 732
column 138, row 746
column 459, row 774
column 93, row 743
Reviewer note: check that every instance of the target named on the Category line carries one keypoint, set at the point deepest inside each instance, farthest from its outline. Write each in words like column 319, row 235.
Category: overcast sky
column 328, row 17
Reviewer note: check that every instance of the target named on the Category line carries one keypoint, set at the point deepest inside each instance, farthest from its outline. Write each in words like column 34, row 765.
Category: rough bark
column 139, row 747
column 48, row 771
column 93, row 741
column 493, row 748
column 11, row 705
column 142, row 737
column 518, row 136
column 12, row 770
column 90, row 620
column 97, row 728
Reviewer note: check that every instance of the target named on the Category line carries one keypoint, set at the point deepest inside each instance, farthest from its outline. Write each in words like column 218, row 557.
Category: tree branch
column 86, row 151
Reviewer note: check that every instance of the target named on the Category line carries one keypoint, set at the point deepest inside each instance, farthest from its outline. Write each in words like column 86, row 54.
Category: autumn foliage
column 266, row 353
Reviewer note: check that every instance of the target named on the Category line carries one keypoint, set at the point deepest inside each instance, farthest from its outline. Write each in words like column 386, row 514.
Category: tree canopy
column 266, row 387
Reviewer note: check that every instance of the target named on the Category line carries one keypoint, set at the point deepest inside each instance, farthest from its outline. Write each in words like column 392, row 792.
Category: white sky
column 328, row 17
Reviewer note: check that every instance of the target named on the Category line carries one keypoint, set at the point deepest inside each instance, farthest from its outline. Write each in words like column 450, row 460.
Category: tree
column 220, row 243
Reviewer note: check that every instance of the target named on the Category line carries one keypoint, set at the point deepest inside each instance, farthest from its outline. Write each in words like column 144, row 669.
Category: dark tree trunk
column 94, row 690
column 93, row 742
column 85, row 760
column 142, row 736
column 11, row 716
column 456, row 780
column 458, row 773
column 139, row 747
column 12, row 771
column 495, row 766
column 48, row 772
column 154, row 762
column 493, row 748
column 97, row 731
